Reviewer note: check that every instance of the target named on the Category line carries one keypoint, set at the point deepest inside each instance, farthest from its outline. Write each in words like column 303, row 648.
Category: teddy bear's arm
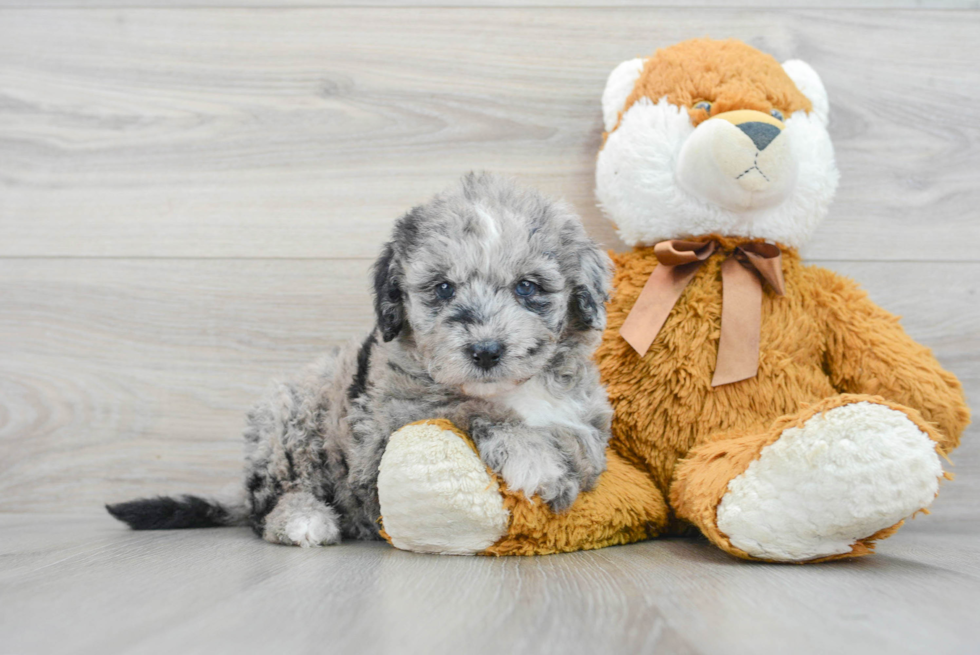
column 868, row 352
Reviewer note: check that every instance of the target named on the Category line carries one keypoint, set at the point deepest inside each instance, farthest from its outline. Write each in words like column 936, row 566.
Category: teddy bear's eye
column 705, row 105
column 778, row 115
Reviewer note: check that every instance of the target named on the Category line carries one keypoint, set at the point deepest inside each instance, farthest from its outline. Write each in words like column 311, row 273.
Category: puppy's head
column 486, row 281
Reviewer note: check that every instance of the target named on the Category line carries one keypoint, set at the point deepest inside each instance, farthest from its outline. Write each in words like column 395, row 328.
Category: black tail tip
column 165, row 513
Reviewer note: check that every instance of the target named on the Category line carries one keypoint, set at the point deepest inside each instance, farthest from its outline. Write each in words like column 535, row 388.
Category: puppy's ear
column 589, row 270
column 388, row 302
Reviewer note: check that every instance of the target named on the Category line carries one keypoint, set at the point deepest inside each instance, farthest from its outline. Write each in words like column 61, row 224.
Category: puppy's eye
column 445, row 291
column 526, row 288
column 778, row 115
column 705, row 105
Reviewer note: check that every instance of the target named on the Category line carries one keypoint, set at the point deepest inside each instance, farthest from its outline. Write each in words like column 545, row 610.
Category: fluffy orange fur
column 823, row 344
column 822, row 338
column 728, row 74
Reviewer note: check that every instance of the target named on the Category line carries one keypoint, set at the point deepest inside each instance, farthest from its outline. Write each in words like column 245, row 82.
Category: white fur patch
column 490, row 229
column 637, row 188
column 299, row 519
column 846, row 474
column 436, row 495
column 539, row 408
column 488, row 389
column 314, row 530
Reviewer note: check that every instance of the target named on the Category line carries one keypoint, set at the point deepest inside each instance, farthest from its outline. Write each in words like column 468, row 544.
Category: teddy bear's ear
column 619, row 86
column 808, row 82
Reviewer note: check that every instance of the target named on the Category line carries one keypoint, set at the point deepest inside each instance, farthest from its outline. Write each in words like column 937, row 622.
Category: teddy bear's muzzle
column 740, row 160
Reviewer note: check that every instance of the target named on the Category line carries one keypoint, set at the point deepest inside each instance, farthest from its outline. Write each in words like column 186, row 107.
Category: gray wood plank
column 224, row 590
column 124, row 586
column 304, row 133
column 121, row 378
column 686, row 4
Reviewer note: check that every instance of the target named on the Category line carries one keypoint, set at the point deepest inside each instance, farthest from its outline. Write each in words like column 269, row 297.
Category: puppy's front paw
column 536, row 471
column 560, row 494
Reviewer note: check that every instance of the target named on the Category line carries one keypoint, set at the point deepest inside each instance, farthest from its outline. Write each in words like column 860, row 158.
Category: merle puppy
column 489, row 302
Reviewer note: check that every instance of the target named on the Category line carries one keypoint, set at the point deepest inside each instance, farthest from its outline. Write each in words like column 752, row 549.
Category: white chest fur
column 538, row 407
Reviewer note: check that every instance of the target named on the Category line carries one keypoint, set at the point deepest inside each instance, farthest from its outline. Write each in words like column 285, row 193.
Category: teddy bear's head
column 715, row 137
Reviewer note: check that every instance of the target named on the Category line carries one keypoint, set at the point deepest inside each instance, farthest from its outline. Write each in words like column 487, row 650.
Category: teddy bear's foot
column 821, row 489
column 436, row 493
column 437, row 496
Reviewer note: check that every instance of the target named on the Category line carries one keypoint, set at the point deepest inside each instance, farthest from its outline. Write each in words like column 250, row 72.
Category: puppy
column 489, row 303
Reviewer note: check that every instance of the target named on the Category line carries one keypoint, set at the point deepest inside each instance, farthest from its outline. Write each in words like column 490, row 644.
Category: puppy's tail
column 168, row 513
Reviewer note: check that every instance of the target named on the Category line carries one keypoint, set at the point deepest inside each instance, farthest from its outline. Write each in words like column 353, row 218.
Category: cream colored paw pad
column 436, row 494
column 846, row 474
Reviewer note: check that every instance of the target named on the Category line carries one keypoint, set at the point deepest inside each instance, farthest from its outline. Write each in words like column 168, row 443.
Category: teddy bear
column 767, row 403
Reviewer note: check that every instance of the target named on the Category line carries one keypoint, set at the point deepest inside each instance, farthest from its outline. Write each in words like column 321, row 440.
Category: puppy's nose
column 486, row 354
column 761, row 134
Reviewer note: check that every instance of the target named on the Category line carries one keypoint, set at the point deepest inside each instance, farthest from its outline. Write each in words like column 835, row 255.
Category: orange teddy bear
column 770, row 404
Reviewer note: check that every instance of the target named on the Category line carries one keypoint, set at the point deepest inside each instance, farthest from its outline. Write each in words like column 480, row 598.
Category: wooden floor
column 191, row 194
column 84, row 585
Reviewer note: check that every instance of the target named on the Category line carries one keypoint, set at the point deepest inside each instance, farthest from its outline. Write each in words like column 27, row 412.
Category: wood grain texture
column 686, row 4
column 305, row 132
column 123, row 378
column 190, row 199
column 88, row 585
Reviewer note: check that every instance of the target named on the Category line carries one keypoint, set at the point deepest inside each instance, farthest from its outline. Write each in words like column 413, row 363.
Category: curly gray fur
column 535, row 408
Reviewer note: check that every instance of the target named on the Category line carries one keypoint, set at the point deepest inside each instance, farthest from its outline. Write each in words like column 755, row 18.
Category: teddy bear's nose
column 761, row 134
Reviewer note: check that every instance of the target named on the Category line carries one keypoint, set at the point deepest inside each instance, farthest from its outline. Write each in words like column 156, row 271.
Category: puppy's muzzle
column 739, row 160
column 486, row 354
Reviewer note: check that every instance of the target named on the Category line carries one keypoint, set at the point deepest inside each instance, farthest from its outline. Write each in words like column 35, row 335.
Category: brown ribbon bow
column 741, row 306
